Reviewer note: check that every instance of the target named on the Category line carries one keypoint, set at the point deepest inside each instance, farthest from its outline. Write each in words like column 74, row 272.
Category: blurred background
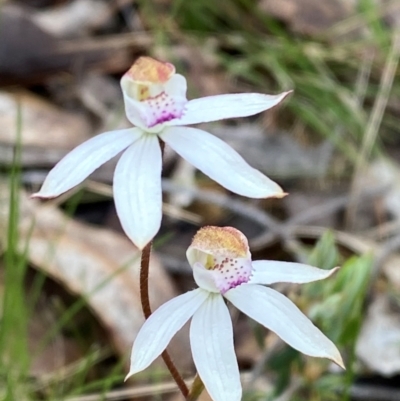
column 69, row 292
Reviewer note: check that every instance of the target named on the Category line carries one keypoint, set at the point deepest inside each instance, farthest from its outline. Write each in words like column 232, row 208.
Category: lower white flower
column 223, row 268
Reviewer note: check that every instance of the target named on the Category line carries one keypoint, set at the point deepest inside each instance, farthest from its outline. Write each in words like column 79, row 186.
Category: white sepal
column 220, row 107
column 211, row 339
column 161, row 326
column 271, row 271
column 220, row 162
column 137, row 190
column 84, row 159
column 276, row 312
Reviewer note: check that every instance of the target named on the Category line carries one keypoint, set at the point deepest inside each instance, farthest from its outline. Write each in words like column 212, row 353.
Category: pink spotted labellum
column 155, row 103
column 222, row 268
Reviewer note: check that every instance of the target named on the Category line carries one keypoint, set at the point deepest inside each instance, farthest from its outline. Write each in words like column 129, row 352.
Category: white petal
column 211, row 339
column 271, row 271
column 220, row 162
column 213, row 108
column 276, row 312
column 204, row 278
column 161, row 326
column 137, row 190
column 84, row 159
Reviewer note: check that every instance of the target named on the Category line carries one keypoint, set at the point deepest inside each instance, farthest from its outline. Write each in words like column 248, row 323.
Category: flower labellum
column 222, row 268
column 156, row 104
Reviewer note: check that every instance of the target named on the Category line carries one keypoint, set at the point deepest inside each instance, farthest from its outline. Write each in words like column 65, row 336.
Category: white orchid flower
column 223, row 268
column 156, row 104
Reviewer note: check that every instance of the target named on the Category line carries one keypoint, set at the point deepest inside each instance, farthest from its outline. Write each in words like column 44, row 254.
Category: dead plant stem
column 372, row 129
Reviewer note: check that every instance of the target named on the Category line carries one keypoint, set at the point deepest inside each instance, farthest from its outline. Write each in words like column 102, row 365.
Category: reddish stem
column 145, row 301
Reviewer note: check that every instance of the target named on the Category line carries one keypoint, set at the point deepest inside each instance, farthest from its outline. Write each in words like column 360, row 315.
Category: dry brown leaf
column 378, row 343
column 96, row 263
column 384, row 171
column 30, row 55
column 74, row 18
column 57, row 353
column 308, row 16
column 42, row 124
column 276, row 153
column 47, row 132
column 391, row 268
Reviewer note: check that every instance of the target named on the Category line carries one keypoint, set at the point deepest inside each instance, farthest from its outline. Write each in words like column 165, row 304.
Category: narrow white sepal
column 137, row 190
column 78, row 164
column 161, row 326
column 211, row 339
column 220, row 162
column 271, row 271
column 276, row 312
column 219, row 107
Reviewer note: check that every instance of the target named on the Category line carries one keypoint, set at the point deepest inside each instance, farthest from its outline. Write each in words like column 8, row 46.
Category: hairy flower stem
column 144, row 280
column 145, row 301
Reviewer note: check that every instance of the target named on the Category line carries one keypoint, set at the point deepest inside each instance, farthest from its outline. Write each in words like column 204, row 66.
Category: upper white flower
column 223, row 268
column 156, row 104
